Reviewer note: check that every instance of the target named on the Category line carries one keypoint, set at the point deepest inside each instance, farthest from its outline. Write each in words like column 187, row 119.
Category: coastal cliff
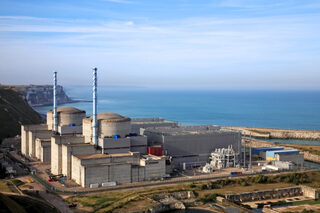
column 40, row 95
column 14, row 111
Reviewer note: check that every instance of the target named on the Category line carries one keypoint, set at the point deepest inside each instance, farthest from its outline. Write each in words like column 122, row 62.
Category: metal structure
column 55, row 116
column 223, row 158
column 94, row 110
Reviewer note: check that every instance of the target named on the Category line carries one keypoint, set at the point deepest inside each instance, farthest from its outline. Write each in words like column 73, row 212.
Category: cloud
column 204, row 49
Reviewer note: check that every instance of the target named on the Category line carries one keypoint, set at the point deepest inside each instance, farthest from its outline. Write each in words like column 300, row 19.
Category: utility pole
column 250, row 152
column 244, row 154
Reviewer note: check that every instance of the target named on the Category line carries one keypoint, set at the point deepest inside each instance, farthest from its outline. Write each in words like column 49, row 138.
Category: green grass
column 310, row 202
column 204, row 191
column 17, row 182
column 4, row 186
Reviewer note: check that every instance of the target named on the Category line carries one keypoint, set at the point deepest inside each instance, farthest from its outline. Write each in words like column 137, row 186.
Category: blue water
column 293, row 110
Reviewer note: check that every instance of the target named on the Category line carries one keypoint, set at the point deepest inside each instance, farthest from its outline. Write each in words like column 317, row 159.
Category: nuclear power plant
column 108, row 149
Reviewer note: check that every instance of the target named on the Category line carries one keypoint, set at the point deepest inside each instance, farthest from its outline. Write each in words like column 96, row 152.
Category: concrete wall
column 25, row 136
column 154, row 169
column 32, row 137
column 87, row 130
column 273, row 194
column 265, row 194
column 119, row 173
column 24, row 141
column 135, row 126
column 73, row 149
column 190, row 147
column 38, row 148
column 100, row 169
column 310, row 192
column 139, row 144
column 297, row 159
column 69, row 130
column 113, row 146
column 56, row 150
column 139, row 141
column 137, row 173
column 45, row 156
column 76, row 169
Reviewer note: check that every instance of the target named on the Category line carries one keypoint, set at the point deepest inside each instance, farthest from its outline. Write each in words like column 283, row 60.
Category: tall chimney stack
column 94, row 111
column 55, row 116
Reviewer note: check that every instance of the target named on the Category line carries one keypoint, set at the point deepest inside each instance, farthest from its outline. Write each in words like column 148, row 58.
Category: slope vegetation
column 14, row 111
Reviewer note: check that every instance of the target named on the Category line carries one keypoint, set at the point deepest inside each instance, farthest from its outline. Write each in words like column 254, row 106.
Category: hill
column 14, row 111
column 40, row 95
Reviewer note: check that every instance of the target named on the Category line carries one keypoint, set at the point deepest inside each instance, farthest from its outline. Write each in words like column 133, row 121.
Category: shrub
column 192, row 185
column 210, row 198
column 17, row 182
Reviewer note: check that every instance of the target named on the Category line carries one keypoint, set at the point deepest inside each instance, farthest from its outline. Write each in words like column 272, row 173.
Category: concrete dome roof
column 69, row 109
column 111, row 117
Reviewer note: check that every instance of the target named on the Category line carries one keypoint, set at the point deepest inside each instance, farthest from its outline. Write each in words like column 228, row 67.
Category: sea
column 270, row 109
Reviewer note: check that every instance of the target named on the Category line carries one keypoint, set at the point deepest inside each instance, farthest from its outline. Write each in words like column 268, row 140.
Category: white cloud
column 214, row 48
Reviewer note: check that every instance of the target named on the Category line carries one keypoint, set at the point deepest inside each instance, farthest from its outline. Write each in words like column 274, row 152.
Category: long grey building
column 191, row 145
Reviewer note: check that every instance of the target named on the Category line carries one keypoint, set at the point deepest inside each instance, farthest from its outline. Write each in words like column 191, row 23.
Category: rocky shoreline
column 277, row 133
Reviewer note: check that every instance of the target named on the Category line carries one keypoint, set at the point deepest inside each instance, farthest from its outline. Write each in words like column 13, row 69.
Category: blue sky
column 219, row 44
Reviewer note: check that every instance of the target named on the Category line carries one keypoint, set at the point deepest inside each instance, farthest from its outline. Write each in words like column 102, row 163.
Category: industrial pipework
column 94, row 111
column 55, row 116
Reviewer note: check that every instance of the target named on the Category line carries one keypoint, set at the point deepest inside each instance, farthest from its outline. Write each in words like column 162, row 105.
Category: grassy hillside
column 14, row 111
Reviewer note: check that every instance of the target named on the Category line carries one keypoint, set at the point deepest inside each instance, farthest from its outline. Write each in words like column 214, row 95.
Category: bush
column 192, row 185
column 307, row 211
column 17, row 182
column 210, row 198
column 261, row 179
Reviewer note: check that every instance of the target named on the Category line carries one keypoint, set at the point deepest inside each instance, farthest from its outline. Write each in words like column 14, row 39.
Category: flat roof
column 97, row 156
column 152, row 156
column 77, row 144
column 106, row 164
column 187, row 130
column 150, row 121
column 44, row 139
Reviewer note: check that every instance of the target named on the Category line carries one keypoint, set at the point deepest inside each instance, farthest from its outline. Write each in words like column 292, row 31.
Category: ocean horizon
column 268, row 109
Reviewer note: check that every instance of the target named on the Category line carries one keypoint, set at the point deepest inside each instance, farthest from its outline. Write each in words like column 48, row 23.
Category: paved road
column 56, row 201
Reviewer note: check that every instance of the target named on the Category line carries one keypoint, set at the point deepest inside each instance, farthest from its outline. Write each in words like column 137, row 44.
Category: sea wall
column 278, row 133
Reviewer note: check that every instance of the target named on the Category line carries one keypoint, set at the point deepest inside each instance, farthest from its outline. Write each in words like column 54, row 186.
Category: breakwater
column 278, row 133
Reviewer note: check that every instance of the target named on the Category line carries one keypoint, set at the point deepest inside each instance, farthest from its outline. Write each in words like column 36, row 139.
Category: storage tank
column 109, row 125
column 67, row 116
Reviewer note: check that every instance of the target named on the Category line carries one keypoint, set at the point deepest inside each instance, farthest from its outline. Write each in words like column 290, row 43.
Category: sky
column 216, row 44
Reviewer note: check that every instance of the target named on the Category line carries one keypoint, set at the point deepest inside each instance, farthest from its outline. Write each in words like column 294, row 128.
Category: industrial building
column 108, row 148
column 190, row 146
column 290, row 155
column 260, row 152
